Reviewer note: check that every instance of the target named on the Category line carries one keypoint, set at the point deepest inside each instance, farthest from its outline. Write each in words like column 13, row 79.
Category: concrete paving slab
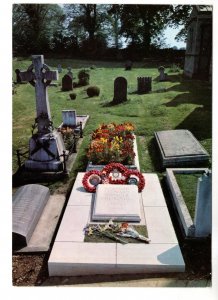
column 160, row 228
column 69, row 258
column 152, row 193
column 74, row 220
column 152, row 258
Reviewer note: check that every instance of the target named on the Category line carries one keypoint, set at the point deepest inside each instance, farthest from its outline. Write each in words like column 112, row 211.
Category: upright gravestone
column 70, row 71
column 69, row 118
column 144, row 84
column 128, row 65
column 203, row 206
column 18, row 78
column 59, row 69
column 67, row 83
column 46, row 146
column 120, row 90
column 28, row 204
column 162, row 75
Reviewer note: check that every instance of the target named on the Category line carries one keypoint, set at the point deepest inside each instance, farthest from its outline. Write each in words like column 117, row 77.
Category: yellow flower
column 103, row 140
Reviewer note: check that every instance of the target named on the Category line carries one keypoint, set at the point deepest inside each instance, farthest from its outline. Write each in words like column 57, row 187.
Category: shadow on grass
column 154, row 155
column 111, row 103
column 199, row 122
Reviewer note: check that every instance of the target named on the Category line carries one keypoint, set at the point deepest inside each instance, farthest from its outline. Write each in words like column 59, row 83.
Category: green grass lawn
column 175, row 104
column 188, row 187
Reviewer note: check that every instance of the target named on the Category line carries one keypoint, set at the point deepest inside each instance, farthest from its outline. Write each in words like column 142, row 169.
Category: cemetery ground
column 174, row 104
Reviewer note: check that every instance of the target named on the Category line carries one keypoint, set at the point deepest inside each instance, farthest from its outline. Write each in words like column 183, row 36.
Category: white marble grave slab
column 118, row 202
column 71, row 256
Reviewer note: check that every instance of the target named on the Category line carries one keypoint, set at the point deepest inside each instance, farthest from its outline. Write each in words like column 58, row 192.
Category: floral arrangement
column 112, row 143
column 113, row 173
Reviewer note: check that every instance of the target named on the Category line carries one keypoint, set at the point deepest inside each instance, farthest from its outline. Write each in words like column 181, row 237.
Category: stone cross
column 40, row 78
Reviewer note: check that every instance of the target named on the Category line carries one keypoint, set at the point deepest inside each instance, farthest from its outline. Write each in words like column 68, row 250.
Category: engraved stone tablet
column 118, row 202
column 178, row 147
column 28, row 204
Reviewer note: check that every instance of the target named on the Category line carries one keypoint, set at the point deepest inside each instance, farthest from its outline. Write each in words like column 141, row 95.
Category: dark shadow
column 199, row 122
column 111, row 103
column 154, row 155
column 189, row 98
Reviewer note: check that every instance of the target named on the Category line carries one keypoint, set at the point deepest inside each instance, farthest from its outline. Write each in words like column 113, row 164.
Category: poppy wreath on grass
column 91, row 179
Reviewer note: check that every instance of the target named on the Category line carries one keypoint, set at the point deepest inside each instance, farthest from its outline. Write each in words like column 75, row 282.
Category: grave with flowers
column 113, row 143
column 116, row 222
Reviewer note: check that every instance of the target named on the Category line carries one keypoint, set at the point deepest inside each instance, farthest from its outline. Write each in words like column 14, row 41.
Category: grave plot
column 180, row 148
column 47, row 155
column 196, row 224
column 113, row 143
column 35, row 217
column 73, row 256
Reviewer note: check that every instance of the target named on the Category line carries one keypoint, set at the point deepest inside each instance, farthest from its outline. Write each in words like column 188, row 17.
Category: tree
column 34, row 26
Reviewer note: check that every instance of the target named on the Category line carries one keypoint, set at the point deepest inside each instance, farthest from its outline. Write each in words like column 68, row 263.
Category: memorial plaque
column 28, row 204
column 117, row 202
column 178, row 147
column 69, row 118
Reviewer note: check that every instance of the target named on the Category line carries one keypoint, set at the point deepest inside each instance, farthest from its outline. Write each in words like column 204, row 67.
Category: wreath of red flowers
column 86, row 180
column 110, row 167
column 104, row 177
column 141, row 179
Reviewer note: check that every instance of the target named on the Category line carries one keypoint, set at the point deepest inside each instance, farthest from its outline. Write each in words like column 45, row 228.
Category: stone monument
column 144, row 84
column 203, row 206
column 46, row 147
column 28, row 204
column 120, row 90
column 67, row 82
column 69, row 118
column 116, row 202
column 162, row 75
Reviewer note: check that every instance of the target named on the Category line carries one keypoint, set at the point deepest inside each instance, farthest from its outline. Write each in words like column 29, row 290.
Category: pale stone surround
column 71, row 256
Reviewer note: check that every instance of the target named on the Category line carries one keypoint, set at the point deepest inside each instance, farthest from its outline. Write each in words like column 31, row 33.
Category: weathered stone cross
column 41, row 78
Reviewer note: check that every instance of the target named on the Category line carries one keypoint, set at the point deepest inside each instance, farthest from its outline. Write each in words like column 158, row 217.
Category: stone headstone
column 18, row 78
column 144, row 84
column 28, row 204
column 69, row 118
column 179, row 147
column 67, row 82
column 128, row 65
column 203, row 206
column 117, row 202
column 44, row 146
column 59, row 68
column 162, row 75
column 120, row 90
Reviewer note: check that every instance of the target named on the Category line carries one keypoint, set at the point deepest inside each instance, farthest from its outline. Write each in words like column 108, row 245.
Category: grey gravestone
column 117, row 202
column 69, row 118
column 203, row 206
column 179, row 148
column 18, row 78
column 144, row 84
column 67, row 82
column 162, row 75
column 59, row 69
column 120, row 90
column 44, row 146
column 28, row 204
column 128, row 65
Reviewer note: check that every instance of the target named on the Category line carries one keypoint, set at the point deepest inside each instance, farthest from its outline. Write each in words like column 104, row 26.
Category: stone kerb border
column 179, row 204
column 135, row 166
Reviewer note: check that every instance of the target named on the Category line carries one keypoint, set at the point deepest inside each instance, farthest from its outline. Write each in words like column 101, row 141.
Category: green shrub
column 72, row 96
column 93, row 91
column 83, row 76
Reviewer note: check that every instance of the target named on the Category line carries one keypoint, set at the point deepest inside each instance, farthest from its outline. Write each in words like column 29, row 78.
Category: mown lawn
column 175, row 104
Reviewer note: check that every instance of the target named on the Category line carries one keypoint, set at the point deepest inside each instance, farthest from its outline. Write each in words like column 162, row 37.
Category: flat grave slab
column 117, row 202
column 179, row 148
column 71, row 256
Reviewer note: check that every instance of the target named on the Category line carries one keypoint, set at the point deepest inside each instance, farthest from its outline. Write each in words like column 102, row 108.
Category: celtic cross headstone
column 39, row 75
